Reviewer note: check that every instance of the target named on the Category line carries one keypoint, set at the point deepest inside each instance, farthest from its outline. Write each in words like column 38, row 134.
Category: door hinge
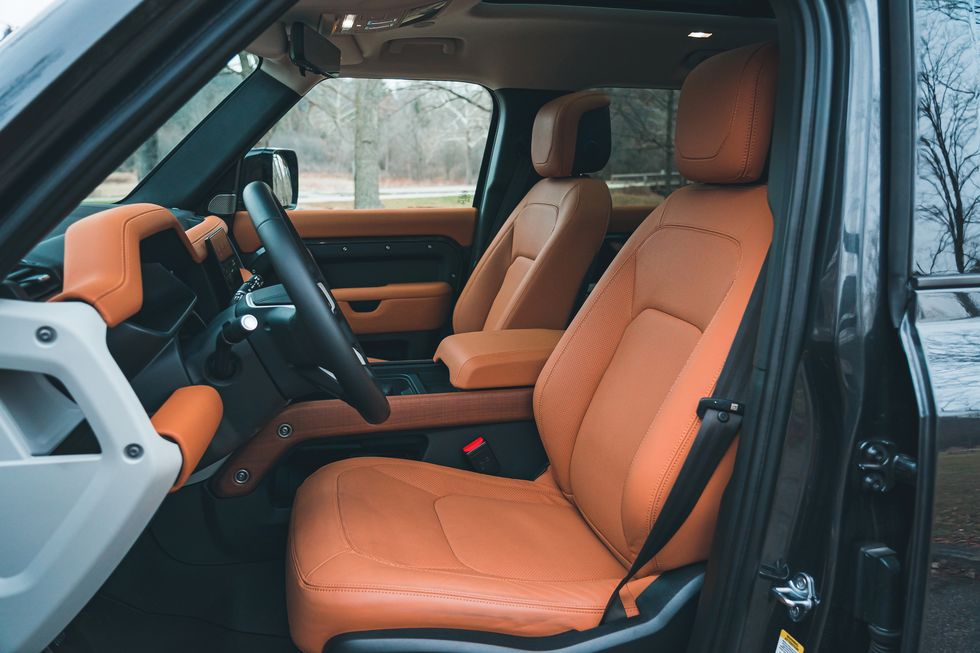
column 881, row 465
column 798, row 594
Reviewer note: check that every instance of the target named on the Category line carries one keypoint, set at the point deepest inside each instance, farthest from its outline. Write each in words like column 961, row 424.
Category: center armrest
column 497, row 359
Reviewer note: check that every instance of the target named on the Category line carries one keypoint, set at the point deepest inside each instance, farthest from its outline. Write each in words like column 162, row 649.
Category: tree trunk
column 367, row 166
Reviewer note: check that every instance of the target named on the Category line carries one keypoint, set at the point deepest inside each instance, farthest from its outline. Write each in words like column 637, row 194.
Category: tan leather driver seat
column 532, row 270
column 378, row 543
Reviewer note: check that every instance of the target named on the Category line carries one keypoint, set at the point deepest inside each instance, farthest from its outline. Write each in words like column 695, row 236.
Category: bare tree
column 948, row 149
column 367, row 160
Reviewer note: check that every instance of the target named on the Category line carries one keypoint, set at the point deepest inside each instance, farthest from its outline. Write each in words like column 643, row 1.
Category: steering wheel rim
column 337, row 350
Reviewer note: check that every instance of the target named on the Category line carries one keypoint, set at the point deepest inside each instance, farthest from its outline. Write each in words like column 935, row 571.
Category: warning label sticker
column 787, row 644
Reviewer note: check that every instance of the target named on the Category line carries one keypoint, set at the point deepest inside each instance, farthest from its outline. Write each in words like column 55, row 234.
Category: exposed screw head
column 723, row 416
column 242, row 476
column 284, row 430
column 46, row 334
column 133, row 450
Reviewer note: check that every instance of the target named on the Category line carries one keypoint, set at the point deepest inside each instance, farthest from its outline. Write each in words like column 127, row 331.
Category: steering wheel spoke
column 338, row 360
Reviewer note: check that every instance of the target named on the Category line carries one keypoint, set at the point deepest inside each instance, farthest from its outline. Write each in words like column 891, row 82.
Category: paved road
column 952, row 615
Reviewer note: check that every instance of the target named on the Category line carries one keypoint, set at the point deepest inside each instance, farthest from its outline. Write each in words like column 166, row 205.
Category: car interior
column 446, row 428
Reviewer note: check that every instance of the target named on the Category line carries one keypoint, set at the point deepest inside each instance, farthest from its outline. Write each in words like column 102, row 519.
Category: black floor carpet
column 154, row 602
column 107, row 625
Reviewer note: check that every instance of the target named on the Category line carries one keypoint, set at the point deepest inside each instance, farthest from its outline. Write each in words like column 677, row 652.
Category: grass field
column 957, row 508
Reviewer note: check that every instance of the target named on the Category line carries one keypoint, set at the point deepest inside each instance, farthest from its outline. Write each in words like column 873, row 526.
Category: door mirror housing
column 278, row 168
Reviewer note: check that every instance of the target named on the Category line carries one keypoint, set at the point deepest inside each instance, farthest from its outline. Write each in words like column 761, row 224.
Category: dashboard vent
column 34, row 282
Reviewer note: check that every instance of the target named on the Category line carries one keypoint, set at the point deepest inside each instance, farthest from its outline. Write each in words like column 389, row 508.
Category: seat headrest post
column 724, row 116
column 571, row 135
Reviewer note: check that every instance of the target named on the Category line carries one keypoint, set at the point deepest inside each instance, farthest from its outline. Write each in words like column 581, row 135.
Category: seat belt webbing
column 721, row 418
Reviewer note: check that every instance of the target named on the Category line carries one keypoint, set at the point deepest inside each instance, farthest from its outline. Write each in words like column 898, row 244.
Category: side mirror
column 277, row 167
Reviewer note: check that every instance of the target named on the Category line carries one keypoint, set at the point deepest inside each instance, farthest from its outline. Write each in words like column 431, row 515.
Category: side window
column 125, row 178
column 947, row 187
column 641, row 169
column 373, row 143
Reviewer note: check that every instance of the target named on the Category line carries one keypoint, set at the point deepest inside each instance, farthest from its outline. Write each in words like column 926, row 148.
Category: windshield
column 15, row 15
column 141, row 163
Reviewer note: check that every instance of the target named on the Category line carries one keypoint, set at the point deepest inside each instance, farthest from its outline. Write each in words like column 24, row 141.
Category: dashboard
column 165, row 290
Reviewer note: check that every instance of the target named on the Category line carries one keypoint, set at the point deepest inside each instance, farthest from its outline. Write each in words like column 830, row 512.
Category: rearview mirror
column 278, row 168
column 311, row 51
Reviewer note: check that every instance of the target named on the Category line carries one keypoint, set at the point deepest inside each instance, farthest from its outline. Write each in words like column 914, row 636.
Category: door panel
column 455, row 224
column 395, row 272
column 396, row 307
column 944, row 352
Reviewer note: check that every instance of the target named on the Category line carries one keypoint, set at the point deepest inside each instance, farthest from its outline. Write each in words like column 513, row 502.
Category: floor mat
column 154, row 602
column 106, row 626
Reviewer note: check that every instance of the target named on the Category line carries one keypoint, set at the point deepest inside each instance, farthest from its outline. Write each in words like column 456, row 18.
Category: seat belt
column 721, row 419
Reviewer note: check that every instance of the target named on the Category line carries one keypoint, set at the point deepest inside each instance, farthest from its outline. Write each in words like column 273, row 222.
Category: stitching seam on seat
column 654, row 500
column 381, row 589
column 749, row 143
column 526, row 280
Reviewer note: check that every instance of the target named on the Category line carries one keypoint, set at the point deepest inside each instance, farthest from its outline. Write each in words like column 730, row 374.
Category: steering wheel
column 335, row 349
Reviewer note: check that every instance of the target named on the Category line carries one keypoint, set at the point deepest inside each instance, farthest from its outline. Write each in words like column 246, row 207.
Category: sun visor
column 270, row 44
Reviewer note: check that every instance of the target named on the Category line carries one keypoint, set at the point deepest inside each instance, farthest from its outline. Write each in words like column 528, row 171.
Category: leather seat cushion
column 388, row 543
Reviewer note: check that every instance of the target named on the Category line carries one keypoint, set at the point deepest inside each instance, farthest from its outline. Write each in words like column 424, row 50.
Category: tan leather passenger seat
column 531, row 272
column 378, row 543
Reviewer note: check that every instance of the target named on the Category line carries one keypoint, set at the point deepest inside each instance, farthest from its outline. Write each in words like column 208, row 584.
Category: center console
column 479, row 360
column 479, row 389
column 417, row 377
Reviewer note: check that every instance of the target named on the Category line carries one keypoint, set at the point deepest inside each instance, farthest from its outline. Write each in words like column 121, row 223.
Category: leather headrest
column 571, row 135
column 724, row 116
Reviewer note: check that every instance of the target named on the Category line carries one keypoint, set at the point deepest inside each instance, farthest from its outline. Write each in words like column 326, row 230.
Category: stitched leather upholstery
column 530, row 274
column 378, row 543
column 533, row 268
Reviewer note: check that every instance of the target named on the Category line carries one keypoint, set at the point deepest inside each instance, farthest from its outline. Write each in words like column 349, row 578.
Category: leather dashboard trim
column 190, row 418
column 330, row 418
column 454, row 223
column 102, row 256
column 199, row 234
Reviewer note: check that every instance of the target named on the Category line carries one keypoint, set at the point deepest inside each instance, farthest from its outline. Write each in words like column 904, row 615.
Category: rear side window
column 641, row 169
column 382, row 143
column 947, row 188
